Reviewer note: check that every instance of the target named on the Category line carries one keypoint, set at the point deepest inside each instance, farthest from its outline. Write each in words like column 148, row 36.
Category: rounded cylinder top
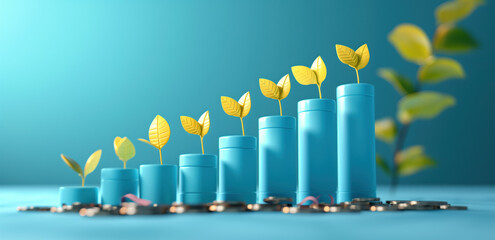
column 237, row 141
column 327, row 105
column 119, row 174
column 198, row 160
column 363, row 89
column 153, row 166
column 277, row 122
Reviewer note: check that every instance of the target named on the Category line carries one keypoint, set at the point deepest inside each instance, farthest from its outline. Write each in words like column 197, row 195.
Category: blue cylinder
column 82, row 195
column 356, row 141
column 117, row 182
column 277, row 157
column 197, row 178
column 158, row 183
column 238, row 169
column 317, row 149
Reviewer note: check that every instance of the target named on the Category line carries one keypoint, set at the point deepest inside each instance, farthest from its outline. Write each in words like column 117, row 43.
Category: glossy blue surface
column 476, row 223
column 356, row 141
column 317, row 149
column 238, row 168
column 158, row 183
column 83, row 195
column 277, row 157
column 117, row 182
column 198, row 174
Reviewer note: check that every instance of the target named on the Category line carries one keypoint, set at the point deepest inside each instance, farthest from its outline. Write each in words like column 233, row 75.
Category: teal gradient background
column 75, row 74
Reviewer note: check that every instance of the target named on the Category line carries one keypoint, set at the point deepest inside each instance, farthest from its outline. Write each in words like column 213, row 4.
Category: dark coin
column 277, row 200
column 365, row 199
column 449, row 207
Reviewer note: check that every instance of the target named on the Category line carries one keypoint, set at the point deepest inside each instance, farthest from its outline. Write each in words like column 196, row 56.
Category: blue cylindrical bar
column 356, row 141
column 117, row 182
column 238, row 169
column 317, row 149
column 197, row 178
column 277, row 157
column 82, row 195
column 158, row 183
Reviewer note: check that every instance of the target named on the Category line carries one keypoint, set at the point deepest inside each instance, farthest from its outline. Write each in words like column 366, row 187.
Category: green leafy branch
column 414, row 45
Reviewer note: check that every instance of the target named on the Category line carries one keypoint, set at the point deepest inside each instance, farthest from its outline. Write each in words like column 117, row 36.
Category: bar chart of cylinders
column 327, row 152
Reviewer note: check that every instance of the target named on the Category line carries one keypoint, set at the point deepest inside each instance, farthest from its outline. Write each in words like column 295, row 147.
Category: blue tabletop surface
column 476, row 223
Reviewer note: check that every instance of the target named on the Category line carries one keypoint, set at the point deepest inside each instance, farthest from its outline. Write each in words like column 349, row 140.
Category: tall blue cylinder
column 117, row 182
column 197, row 178
column 317, row 149
column 237, row 169
column 356, row 141
column 82, row 195
column 277, row 157
column 158, row 183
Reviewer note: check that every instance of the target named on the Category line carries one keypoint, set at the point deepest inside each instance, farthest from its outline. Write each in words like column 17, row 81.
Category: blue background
column 75, row 74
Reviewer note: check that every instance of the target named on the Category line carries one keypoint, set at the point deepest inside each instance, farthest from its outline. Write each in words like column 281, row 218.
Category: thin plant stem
column 202, row 148
column 398, row 146
column 280, row 105
column 160, row 150
column 82, row 177
column 357, row 73
column 124, row 164
column 242, row 124
column 319, row 89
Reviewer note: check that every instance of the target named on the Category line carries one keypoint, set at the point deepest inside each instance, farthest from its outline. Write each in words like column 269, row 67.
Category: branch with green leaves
column 90, row 166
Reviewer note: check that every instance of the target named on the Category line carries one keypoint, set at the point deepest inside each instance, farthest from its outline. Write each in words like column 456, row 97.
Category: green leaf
column 440, row 70
column 423, row 105
column 385, row 130
column 453, row 11
column 92, row 162
column 72, row 164
column 411, row 42
column 380, row 162
column 413, row 160
column 401, row 83
column 451, row 39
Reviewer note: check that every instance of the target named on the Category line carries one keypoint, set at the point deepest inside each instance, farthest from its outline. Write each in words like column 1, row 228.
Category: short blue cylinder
column 117, row 182
column 197, row 178
column 356, row 141
column 158, row 183
column 277, row 157
column 82, row 195
column 237, row 169
column 317, row 149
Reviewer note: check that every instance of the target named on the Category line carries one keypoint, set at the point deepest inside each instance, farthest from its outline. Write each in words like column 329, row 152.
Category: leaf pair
column 200, row 127
column 159, row 134
column 277, row 91
column 90, row 166
column 356, row 59
column 124, row 149
column 314, row 75
column 237, row 109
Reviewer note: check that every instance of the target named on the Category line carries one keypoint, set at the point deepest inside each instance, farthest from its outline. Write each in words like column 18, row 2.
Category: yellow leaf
column 347, row 55
column 245, row 102
column 385, row 130
column 159, row 132
column 204, row 121
column 423, row 105
column 125, row 150
column 304, row 75
column 439, row 70
column 92, row 162
column 269, row 89
column 411, row 42
column 364, row 56
column 320, row 69
column 116, row 143
column 231, row 106
column 190, row 125
column 453, row 11
column 283, row 87
column 72, row 164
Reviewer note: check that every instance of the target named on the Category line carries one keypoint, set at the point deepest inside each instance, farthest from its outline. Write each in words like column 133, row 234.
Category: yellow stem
column 160, row 150
column 82, row 180
column 242, row 124
column 202, row 147
column 124, row 164
column 319, row 89
column 280, row 105
column 357, row 73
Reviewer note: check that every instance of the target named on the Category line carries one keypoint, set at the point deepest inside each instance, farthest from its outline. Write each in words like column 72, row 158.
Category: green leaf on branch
column 440, row 70
column 453, row 11
column 413, row 160
column 423, row 105
column 411, row 42
column 452, row 39
column 380, row 162
column 385, row 130
column 401, row 83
